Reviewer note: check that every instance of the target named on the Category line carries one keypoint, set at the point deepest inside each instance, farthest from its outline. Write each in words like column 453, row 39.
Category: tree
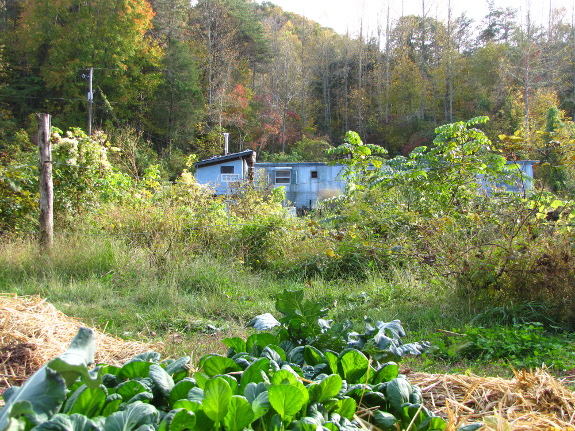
column 232, row 42
column 178, row 102
column 62, row 39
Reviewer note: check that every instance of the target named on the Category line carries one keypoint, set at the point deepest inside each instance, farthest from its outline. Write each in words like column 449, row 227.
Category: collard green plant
column 44, row 392
column 303, row 323
column 263, row 383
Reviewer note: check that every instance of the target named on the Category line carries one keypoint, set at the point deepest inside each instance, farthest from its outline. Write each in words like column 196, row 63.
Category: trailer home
column 305, row 183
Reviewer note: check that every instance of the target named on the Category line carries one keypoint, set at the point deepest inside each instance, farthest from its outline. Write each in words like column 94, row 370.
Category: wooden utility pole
column 46, row 185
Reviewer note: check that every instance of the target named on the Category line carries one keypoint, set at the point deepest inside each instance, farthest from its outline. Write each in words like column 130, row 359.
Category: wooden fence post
column 46, row 185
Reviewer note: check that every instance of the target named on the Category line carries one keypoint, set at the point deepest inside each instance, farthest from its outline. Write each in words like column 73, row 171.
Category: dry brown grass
column 529, row 401
column 32, row 332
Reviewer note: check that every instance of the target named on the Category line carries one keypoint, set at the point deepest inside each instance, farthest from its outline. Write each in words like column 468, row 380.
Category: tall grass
column 109, row 283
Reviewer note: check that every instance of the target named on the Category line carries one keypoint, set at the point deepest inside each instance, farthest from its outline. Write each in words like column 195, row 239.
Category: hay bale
column 32, row 332
column 529, row 401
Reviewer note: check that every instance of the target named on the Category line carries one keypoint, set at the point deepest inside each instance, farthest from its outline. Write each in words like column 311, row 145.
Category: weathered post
column 46, row 185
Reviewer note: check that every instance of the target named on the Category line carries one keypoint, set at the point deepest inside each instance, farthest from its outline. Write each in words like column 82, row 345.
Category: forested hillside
column 177, row 74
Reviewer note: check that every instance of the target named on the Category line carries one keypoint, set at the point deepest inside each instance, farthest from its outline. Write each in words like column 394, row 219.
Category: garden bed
column 32, row 332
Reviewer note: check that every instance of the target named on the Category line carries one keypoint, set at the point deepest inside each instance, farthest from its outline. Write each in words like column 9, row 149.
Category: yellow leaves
column 332, row 254
column 474, row 217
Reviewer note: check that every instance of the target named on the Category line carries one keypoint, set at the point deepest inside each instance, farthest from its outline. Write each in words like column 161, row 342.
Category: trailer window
column 283, row 176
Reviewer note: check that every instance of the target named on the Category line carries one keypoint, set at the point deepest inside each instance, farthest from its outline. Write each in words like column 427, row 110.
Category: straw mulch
column 529, row 401
column 32, row 332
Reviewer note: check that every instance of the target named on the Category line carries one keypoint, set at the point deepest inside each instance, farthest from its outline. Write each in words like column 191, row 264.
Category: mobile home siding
column 309, row 182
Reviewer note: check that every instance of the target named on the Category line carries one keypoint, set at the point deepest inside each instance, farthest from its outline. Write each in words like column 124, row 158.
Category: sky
column 345, row 15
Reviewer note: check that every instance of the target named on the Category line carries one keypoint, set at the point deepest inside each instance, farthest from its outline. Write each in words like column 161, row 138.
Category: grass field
column 189, row 303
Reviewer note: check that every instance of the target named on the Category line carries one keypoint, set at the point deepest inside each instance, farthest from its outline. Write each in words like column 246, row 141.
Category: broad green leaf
column 183, row 420
column 196, row 394
column 385, row 421
column 471, row 427
column 397, row 393
column 274, row 353
column 200, row 379
column 253, row 373
column 313, row 356
column 62, row 422
column 135, row 369
column 412, row 413
column 354, row 365
column 108, row 369
column 112, row 405
column 253, row 390
column 386, row 373
column 73, row 363
column 261, row 405
column 130, row 389
column 328, row 388
column 332, row 426
column 217, row 398
column 416, row 397
column 236, row 345
column 179, row 369
column 45, row 391
column 286, row 400
column 284, row 377
column 181, row 390
column 240, row 414
column 135, row 415
column 178, row 420
column 260, row 341
column 86, row 401
column 347, row 408
column 332, row 360
column 308, row 424
column 191, row 406
column 202, row 421
column 152, row 357
column 144, row 397
column 433, row 423
column 295, row 356
column 215, row 365
column 166, row 420
column 163, row 382
column 232, row 382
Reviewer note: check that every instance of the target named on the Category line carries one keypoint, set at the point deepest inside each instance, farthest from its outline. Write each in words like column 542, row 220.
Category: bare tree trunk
column 422, row 65
column 527, row 76
column 387, row 67
column 450, row 73
column 379, row 85
column 303, row 74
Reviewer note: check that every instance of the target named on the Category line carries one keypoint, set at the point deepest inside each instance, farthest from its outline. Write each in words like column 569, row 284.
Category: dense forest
column 177, row 74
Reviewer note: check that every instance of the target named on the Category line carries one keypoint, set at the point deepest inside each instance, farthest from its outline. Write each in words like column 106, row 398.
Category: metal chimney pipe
column 226, row 143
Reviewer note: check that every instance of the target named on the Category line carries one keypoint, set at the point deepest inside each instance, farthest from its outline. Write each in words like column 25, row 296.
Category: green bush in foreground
column 524, row 345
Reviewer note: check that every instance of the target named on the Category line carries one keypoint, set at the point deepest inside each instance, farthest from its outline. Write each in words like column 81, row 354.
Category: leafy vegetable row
column 266, row 382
